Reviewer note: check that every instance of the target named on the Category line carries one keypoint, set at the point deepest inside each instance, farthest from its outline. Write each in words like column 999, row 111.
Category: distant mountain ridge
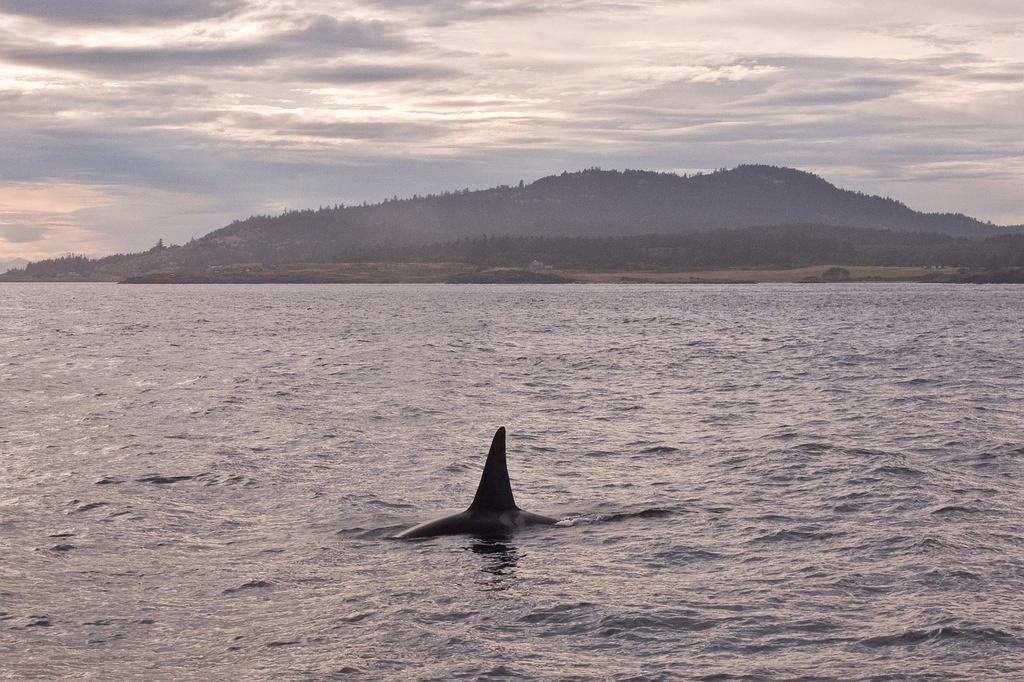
column 6, row 265
column 596, row 203
column 588, row 203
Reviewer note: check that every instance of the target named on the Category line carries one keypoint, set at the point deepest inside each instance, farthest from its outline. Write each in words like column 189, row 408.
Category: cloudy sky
column 126, row 120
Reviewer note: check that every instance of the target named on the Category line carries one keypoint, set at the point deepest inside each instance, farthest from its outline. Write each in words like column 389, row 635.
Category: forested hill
column 591, row 203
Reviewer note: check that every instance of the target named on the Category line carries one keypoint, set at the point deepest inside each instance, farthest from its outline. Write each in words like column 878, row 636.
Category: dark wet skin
column 493, row 513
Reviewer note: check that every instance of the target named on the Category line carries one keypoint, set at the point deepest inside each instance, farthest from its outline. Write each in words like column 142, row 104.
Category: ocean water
column 764, row 482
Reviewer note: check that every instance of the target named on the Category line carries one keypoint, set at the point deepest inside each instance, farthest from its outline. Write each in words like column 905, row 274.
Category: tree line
column 752, row 247
column 775, row 246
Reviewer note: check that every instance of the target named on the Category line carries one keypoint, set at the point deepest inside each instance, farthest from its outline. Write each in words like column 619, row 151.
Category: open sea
column 754, row 482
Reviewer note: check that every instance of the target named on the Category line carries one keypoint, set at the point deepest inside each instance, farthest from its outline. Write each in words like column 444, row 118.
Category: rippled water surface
column 753, row 482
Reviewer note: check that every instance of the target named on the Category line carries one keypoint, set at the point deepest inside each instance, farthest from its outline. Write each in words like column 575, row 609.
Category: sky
column 123, row 121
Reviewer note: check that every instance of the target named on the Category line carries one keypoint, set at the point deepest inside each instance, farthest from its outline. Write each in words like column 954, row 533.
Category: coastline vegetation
column 774, row 253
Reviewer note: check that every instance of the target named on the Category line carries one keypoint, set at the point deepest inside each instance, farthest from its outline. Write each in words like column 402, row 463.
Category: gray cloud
column 120, row 12
column 325, row 33
column 100, row 154
column 323, row 36
column 839, row 92
column 372, row 73
column 793, row 82
column 129, row 107
column 995, row 20
column 997, row 76
column 444, row 12
column 22, row 234
column 418, row 132
column 287, row 124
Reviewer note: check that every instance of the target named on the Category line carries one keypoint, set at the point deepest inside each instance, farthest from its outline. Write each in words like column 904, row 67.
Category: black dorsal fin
column 495, row 490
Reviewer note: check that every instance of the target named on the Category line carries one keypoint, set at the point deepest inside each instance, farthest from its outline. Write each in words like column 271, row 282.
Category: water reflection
column 499, row 561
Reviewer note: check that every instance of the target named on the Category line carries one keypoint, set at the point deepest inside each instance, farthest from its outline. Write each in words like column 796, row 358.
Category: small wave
column 774, row 517
column 930, row 543
column 89, row 506
column 914, row 544
column 858, row 583
column 893, row 470
column 941, row 576
column 389, row 505
column 251, row 585
column 381, row 533
column 103, row 622
column 457, row 467
column 26, row 622
column 588, row 519
column 681, row 555
column 919, row 636
column 659, row 450
column 63, row 547
column 956, row 509
column 284, row 642
column 611, row 625
column 812, row 446
column 917, row 381
column 207, row 478
column 226, row 479
column 501, row 672
column 157, row 479
column 354, row 618
column 562, row 613
column 800, row 535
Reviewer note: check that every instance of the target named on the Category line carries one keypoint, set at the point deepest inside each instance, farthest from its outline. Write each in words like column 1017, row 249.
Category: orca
column 493, row 513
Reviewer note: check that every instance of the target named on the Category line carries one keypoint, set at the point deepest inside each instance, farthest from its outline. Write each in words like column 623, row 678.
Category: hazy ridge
column 14, row 264
column 756, row 215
